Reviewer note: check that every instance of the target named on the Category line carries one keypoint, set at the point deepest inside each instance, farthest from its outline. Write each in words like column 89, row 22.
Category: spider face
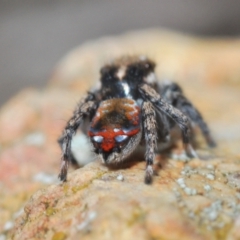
column 115, row 129
column 131, row 106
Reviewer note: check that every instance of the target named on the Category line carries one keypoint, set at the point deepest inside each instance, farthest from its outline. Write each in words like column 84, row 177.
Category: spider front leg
column 149, row 94
column 86, row 106
column 150, row 134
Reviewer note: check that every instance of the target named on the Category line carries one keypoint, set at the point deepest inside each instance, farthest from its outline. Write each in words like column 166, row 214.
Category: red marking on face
column 109, row 135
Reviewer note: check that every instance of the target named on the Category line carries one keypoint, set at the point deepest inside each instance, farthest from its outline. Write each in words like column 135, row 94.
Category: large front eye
column 121, row 138
column 97, row 139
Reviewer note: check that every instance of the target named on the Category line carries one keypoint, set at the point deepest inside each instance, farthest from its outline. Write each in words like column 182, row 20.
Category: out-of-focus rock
column 30, row 123
column 179, row 56
column 187, row 200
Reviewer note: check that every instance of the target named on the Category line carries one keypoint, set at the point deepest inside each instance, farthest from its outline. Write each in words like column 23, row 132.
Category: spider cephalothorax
column 130, row 106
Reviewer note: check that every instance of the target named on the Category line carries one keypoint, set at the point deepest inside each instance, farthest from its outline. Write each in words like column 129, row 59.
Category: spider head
column 115, row 130
column 122, row 77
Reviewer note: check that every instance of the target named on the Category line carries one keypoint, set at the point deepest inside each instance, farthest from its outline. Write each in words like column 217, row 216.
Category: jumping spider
column 130, row 106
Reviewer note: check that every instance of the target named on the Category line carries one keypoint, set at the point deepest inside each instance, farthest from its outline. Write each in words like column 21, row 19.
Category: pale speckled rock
column 187, row 200
column 93, row 204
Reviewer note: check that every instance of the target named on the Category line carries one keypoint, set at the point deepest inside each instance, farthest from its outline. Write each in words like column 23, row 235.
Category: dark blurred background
column 35, row 34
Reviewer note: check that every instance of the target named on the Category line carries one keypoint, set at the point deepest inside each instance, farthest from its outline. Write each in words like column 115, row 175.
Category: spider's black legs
column 83, row 109
column 149, row 94
column 174, row 95
column 150, row 133
column 189, row 110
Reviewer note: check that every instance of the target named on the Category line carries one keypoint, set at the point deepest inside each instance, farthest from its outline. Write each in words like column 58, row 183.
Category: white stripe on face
column 121, row 73
column 151, row 78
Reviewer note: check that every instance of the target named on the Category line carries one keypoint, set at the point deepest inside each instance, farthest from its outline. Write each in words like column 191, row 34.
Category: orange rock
column 187, row 200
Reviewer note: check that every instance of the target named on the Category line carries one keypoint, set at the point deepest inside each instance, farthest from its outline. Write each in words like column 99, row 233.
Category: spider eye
column 98, row 139
column 121, row 138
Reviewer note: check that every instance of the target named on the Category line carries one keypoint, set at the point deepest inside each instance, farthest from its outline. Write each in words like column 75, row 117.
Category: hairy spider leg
column 83, row 110
column 148, row 93
column 150, row 134
column 179, row 101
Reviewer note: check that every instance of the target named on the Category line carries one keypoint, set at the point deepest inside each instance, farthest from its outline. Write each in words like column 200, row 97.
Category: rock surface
column 187, row 200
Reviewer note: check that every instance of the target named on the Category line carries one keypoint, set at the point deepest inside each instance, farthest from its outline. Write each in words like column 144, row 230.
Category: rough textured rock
column 94, row 204
column 187, row 200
